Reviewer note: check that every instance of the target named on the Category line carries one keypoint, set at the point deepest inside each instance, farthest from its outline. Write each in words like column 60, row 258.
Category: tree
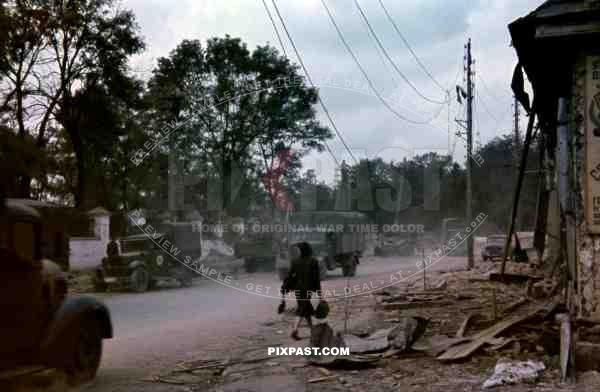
column 48, row 50
column 233, row 110
column 95, row 118
column 494, row 183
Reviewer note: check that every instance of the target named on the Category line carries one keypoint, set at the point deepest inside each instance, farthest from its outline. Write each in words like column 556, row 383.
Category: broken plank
column 503, row 344
column 463, row 326
column 465, row 350
column 515, row 305
column 209, row 366
column 412, row 305
column 514, row 278
column 321, row 379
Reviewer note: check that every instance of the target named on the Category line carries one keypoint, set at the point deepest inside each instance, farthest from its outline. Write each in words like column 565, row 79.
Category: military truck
column 139, row 262
column 335, row 237
column 259, row 251
column 43, row 327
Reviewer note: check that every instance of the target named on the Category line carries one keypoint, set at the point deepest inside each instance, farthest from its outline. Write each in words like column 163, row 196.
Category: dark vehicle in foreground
column 42, row 325
column 138, row 262
column 335, row 237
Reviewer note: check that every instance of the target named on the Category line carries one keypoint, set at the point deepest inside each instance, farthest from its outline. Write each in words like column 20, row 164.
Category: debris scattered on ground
column 508, row 373
column 321, row 379
column 465, row 350
column 373, row 343
column 463, row 326
column 406, row 332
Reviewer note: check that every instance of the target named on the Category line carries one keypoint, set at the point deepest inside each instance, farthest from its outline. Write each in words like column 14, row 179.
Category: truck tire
column 349, row 268
column 139, row 280
column 88, row 353
column 250, row 264
column 100, row 285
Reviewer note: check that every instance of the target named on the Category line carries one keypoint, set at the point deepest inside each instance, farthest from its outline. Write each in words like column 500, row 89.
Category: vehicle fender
column 136, row 263
column 62, row 335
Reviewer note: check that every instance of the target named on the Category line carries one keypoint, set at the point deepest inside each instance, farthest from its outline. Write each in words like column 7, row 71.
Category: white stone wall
column 87, row 252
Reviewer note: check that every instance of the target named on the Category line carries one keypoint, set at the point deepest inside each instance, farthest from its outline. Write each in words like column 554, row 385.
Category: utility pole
column 516, row 148
column 471, row 260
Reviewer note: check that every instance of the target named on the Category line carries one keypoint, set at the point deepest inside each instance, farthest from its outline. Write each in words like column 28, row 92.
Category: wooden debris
column 515, row 305
column 505, row 342
column 587, row 321
column 465, row 350
column 514, row 278
column 412, row 305
column 164, row 380
column 437, row 344
column 567, row 369
column 324, row 371
column 321, row 379
column 587, row 356
column 207, row 366
column 494, row 305
column 406, row 332
column 390, row 353
column 463, row 326
column 442, row 284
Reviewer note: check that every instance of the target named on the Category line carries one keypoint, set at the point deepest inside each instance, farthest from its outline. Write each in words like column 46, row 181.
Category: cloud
column 436, row 30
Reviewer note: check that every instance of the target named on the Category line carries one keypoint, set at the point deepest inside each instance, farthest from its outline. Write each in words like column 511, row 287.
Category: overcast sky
column 436, row 29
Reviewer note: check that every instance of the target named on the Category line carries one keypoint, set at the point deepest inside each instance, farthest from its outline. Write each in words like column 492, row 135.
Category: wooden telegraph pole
column 471, row 260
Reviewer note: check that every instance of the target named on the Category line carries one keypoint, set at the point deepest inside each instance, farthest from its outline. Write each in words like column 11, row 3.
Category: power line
column 487, row 89
column 485, row 107
column 365, row 75
column 337, row 131
column 423, row 67
column 327, row 147
column 378, row 41
column 274, row 27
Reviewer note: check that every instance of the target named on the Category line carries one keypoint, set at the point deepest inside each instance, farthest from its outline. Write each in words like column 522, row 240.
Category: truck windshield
column 187, row 239
column 128, row 246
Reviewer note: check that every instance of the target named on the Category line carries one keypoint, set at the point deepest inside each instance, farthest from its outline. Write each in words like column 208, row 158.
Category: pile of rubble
column 463, row 330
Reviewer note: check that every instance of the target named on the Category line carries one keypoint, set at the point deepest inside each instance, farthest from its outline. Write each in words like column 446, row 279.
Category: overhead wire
column 366, row 76
column 408, row 46
column 392, row 62
column 274, row 27
column 321, row 102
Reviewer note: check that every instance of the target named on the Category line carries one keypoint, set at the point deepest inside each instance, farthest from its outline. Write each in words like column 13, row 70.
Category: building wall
column 87, row 252
column 587, row 298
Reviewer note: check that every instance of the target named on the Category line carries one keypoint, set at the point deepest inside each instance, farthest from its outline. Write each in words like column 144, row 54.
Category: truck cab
column 45, row 327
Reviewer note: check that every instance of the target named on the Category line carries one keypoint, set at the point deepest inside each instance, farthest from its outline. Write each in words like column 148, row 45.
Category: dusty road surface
column 158, row 329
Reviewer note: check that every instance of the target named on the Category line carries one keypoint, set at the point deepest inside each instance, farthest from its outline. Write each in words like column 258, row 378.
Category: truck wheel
column 185, row 281
column 139, row 280
column 349, row 268
column 88, row 353
column 100, row 285
column 250, row 264
column 322, row 269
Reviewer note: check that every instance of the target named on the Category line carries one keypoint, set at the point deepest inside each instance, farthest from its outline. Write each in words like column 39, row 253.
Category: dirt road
column 158, row 329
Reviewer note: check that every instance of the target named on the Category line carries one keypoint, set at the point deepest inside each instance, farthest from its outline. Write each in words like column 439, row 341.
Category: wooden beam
column 465, row 350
